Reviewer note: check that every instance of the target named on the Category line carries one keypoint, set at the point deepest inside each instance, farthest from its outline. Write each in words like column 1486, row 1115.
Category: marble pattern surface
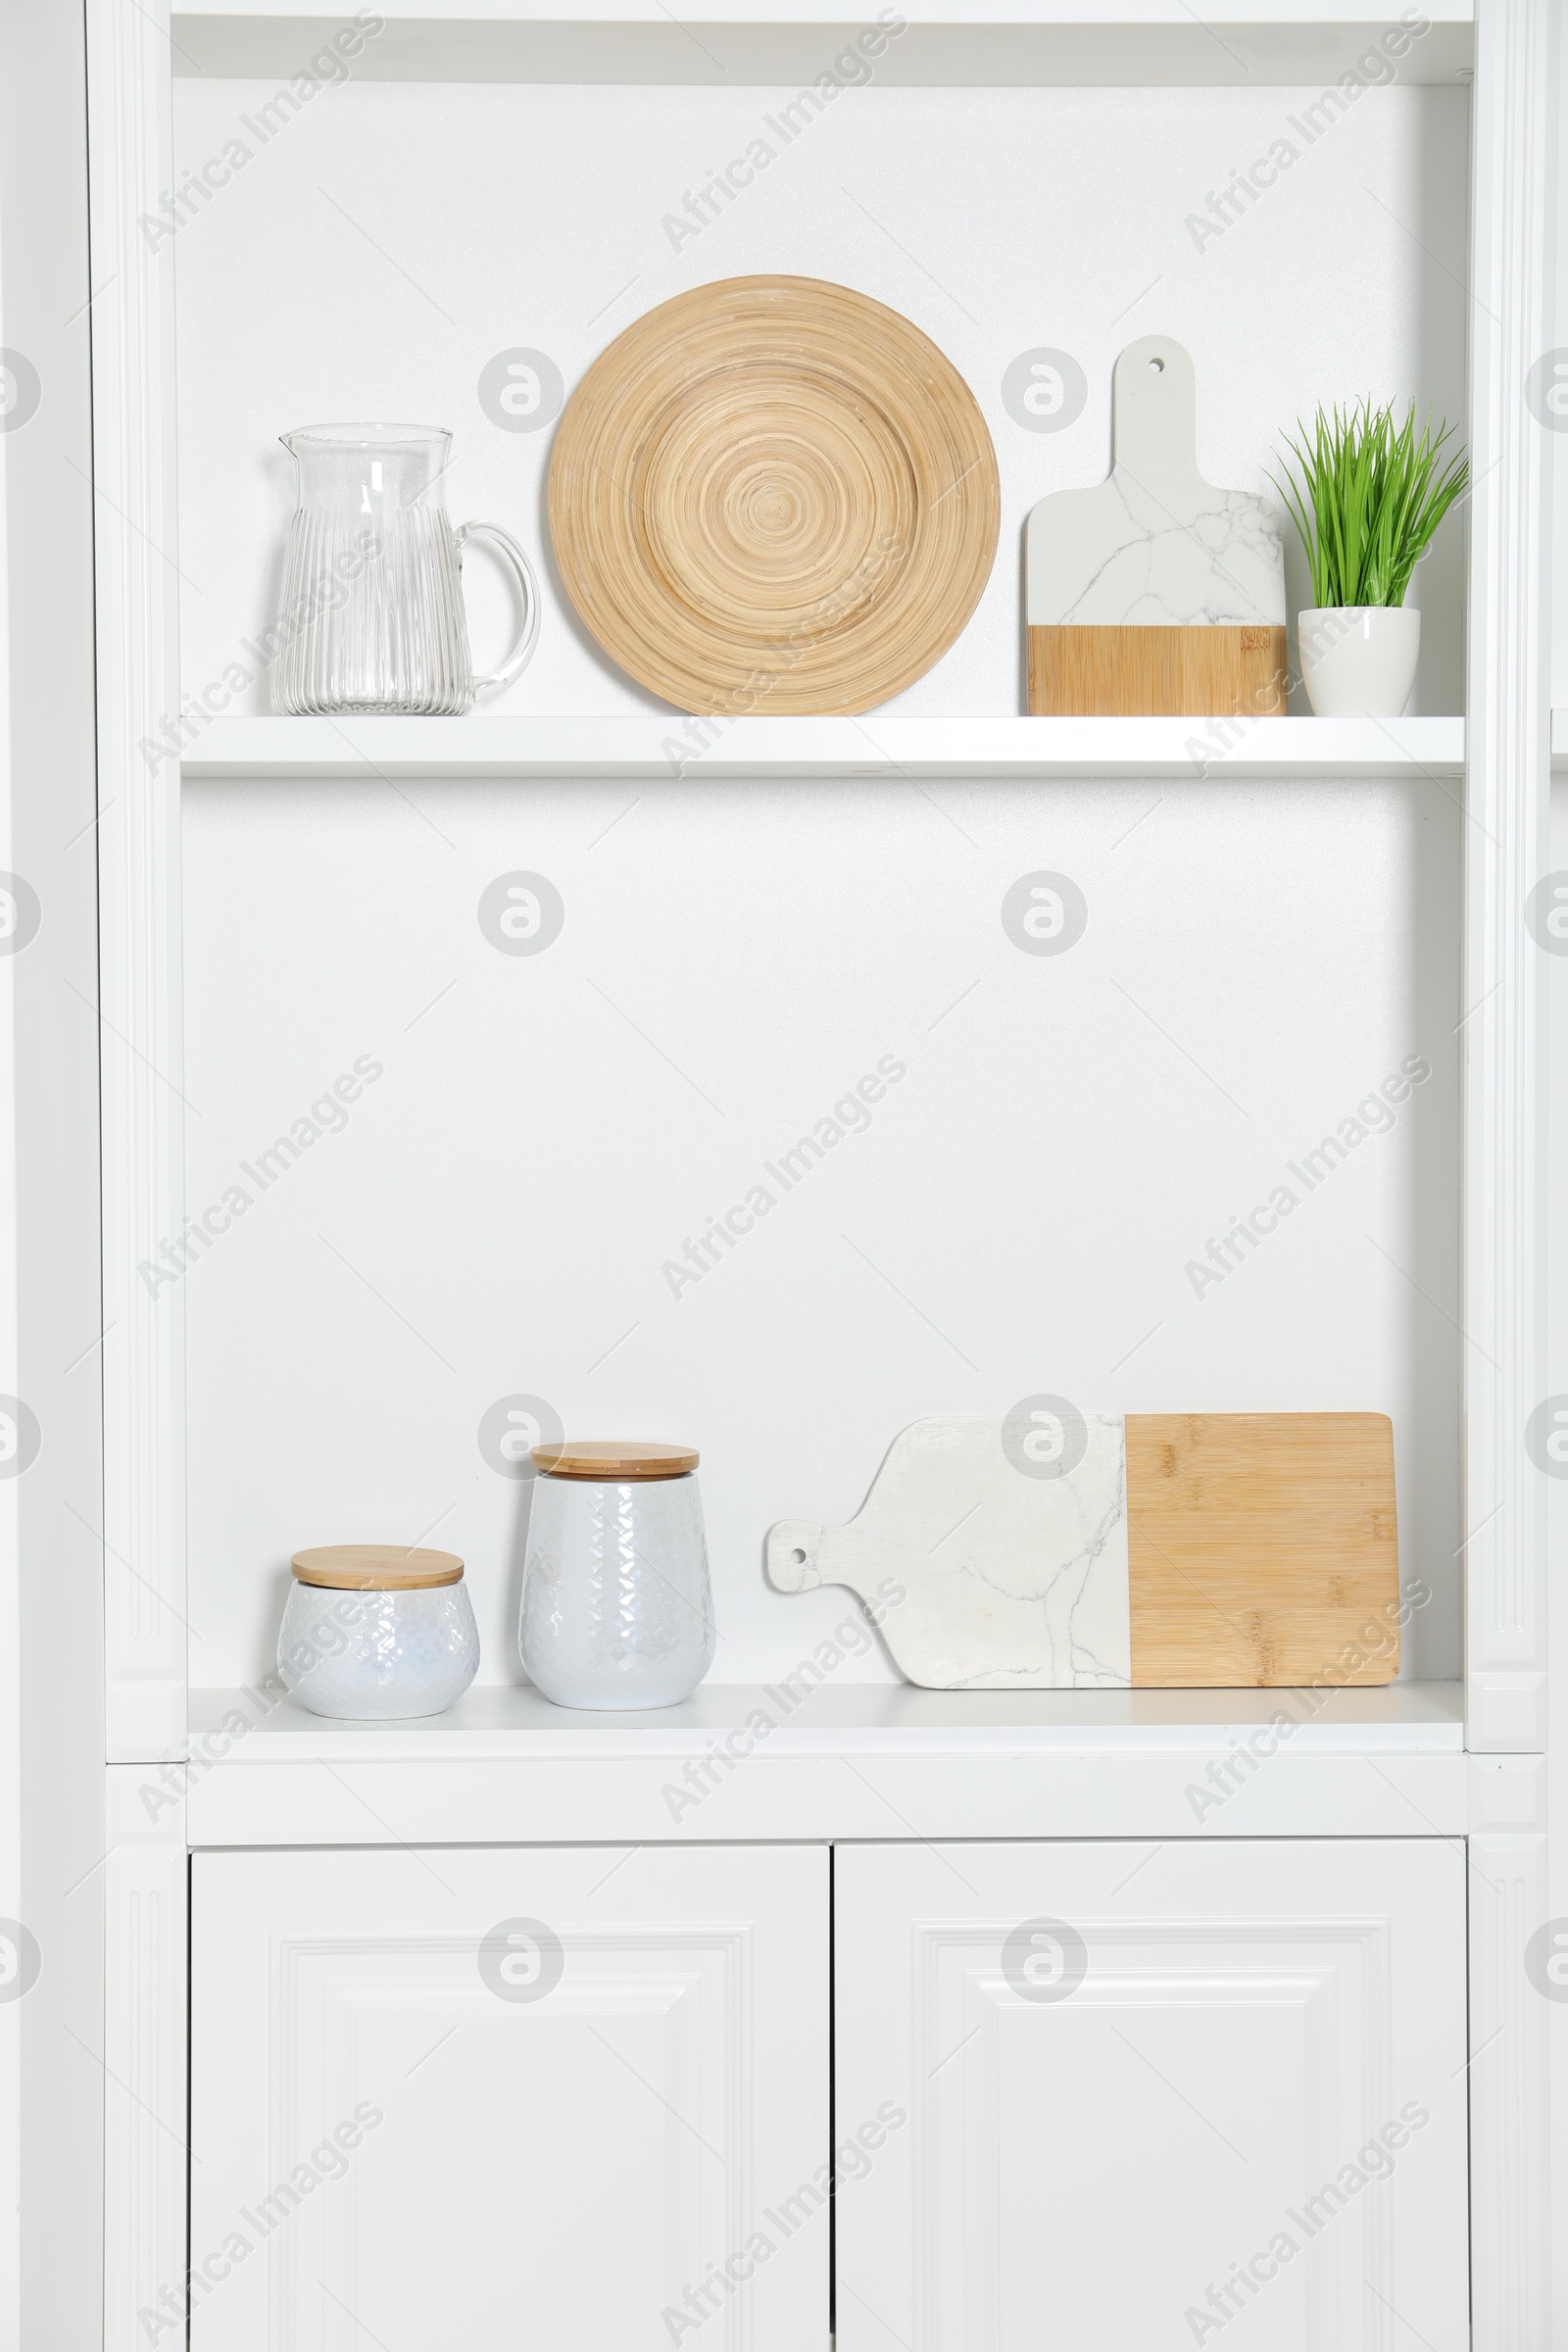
column 1155, row 545
column 982, row 1576
column 1131, row 556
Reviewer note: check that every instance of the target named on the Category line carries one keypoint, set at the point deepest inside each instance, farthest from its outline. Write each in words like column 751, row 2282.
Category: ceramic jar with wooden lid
column 372, row 1633
column 617, row 1607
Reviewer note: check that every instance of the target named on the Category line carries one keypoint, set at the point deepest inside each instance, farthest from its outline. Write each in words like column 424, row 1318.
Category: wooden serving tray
column 1055, row 1550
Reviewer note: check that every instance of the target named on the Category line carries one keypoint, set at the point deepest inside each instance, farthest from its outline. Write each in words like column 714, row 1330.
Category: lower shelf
column 833, row 1765
column 505, row 1721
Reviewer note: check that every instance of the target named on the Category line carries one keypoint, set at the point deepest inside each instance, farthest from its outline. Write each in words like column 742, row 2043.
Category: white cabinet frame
column 1508, row 802
column 1508, row 769
column 130, row 151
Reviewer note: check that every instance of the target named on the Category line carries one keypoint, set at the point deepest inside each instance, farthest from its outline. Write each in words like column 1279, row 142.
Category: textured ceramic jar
column 617, row 1607
column 372, row 1633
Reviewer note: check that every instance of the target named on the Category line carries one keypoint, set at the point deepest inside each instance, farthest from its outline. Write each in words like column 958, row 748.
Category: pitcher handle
column 517, row 660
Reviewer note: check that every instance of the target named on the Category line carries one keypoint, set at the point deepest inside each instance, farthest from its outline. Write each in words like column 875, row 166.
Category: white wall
column 386, row 244
column 495, row 1215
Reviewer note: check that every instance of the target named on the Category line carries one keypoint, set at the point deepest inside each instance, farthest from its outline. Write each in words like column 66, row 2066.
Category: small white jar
column 372, row 1634
column 617, row 1607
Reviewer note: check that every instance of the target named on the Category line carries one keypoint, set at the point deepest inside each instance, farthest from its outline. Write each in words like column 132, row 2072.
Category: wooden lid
column 376, row 1567
column 607, row 1458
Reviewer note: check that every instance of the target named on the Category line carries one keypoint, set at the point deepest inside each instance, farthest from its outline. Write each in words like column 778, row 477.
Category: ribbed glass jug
column 371, row 618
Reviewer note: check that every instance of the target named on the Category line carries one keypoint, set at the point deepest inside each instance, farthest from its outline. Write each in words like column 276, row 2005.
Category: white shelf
column 1007, row 42
column 651, row 749
column 503, row 1722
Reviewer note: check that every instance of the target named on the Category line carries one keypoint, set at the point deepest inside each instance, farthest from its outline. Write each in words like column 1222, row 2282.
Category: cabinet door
column 535, row 2097
column 1141, row 2098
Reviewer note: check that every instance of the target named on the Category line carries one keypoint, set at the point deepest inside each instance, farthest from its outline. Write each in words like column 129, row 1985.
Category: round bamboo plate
column 773, row 495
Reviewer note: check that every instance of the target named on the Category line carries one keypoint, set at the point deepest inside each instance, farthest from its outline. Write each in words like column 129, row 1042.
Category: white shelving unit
column 488, row 176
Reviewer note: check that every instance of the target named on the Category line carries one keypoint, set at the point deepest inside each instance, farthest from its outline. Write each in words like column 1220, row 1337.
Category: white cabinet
column 1111, row 2095
column 1158, row 2096
column 574, row 2098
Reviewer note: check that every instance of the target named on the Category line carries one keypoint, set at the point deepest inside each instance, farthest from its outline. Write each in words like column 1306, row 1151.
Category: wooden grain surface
column 1129, row 673
column 376, row 1567
column 616, row 1460
column 1261, row 1548
column 773, row 494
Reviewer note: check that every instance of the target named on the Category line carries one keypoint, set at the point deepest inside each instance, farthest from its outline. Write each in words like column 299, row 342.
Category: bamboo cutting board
column 1057, row 1550
column 1154, row 592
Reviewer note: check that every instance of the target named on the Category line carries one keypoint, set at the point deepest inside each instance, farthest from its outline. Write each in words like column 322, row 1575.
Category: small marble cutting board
column 1054, row 1550
column 1154, row 591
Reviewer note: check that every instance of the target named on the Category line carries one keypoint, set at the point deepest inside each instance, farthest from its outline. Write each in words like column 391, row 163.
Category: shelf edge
column 639, row 750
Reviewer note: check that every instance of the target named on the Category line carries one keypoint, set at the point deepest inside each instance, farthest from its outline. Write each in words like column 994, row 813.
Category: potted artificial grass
column 1370, row 497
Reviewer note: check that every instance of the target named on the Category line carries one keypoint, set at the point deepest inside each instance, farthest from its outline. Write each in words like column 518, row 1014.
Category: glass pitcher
column 372, row 616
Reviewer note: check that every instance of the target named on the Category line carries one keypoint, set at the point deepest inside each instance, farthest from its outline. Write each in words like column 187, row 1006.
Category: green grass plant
column 1370, row 498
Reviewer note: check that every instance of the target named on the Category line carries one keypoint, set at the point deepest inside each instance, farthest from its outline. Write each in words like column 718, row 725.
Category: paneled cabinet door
column 1153, row 2096
column 548, row 2098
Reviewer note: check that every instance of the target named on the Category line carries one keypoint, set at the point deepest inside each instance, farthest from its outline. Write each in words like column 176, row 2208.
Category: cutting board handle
column 794, row 1547
column 801, row 1557
column 1155, row 412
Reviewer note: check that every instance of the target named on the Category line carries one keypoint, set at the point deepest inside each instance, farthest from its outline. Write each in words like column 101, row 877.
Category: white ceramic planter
column 1359, row 660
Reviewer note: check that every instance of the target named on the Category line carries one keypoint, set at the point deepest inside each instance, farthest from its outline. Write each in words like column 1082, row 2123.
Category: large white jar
column 373, row 1632
column 616, row 1606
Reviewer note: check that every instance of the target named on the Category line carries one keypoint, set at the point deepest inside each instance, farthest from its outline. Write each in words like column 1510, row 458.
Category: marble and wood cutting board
column 1184, row 1551
column 1154, row 592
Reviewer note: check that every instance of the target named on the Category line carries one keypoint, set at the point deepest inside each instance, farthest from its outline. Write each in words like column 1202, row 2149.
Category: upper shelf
column 655, row 748
column 1010, row 42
